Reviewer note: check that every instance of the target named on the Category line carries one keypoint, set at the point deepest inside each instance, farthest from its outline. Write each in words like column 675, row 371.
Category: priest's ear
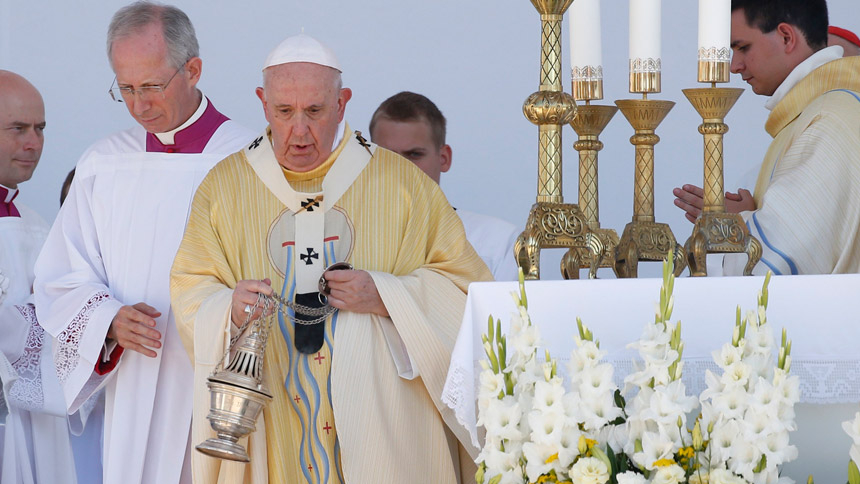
column 194, row 67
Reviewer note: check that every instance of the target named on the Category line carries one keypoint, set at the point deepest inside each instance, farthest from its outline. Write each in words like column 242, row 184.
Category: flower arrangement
column 538, row 431
column 852, row 428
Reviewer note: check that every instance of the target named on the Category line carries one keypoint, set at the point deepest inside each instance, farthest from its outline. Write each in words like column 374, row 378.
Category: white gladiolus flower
column 630, row 477
column 492, row 384
column 537, row 456
column 788, row 386
column 548, row 396
column 727, row 355
column 672, row 474
column 738, row 373
column 721, row 441
column 596, row 381
column 546, row 427
column 758, row 422
column 568, row 446
column 852, row 428
column 654, row 341
column 776, row 449
column 714, row 386
column 499, row 462
column 766, row 395
column 525, row 341
column 731, row 403
column 655, row 447
column 597, row 412
column 744, row 458
column 502, row 418
column 589, row 470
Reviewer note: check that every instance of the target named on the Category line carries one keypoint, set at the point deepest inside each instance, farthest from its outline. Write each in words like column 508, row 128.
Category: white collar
column 339, row 136
column 802, row 70
column 168, row 137
column 10, row 193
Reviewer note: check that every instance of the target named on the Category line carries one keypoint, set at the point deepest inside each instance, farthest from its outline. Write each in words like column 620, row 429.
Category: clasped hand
column 690, row 199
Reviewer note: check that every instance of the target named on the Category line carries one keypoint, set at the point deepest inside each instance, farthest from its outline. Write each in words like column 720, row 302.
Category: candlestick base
column 602, row 245
column 720, row 233
column 646, row 241
column 558, row 226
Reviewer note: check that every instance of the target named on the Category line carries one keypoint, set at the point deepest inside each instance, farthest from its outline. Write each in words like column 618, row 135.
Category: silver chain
column 321, row 312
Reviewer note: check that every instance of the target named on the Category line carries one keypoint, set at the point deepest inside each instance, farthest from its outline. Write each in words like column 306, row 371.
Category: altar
column 820, row 313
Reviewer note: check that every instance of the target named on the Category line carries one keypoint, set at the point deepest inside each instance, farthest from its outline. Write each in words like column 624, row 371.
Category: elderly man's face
column 141, row 59
column 22, row 122
column 303, row 105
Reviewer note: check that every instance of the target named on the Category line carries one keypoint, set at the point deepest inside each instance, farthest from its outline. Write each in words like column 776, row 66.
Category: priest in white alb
column 356, row 393
column 34, row 433
column 102, row 279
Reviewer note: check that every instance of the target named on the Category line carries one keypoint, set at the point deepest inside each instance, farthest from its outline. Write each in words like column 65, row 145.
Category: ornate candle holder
column 553, row 223
column 715, row 230
column 643, row 238
column 589, row 122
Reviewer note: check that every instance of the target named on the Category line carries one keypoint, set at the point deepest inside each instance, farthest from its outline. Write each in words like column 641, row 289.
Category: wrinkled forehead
column 301, row 74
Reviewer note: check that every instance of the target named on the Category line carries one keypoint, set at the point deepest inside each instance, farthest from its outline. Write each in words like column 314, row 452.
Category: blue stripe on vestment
column 791, row 265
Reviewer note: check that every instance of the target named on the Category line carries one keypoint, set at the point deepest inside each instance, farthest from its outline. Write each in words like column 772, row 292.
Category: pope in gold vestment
column 366, row 407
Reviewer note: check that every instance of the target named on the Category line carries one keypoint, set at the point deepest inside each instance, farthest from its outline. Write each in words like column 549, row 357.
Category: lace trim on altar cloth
column 67, row 353
column 26, row 391
column 456, row 396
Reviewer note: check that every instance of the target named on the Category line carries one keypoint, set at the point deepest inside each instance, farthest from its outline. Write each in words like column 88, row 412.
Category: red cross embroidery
column 327, row 428
column 319, row 357
column 298, row 399
column 310, row 467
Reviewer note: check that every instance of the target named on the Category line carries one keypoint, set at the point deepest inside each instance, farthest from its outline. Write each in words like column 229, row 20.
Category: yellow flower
column 687, row 452
column 663, row 463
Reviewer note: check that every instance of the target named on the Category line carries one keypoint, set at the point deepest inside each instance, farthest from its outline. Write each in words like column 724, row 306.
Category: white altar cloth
column 820, row 313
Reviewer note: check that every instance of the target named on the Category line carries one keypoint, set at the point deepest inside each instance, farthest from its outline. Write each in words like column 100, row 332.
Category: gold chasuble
column 366, row 407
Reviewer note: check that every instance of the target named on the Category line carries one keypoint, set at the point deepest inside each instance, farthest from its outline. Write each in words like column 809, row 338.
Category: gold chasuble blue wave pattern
column 302, row 440
column 306, row 401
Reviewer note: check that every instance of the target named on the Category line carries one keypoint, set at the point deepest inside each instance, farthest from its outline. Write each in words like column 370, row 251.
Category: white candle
column 585, row 48
column 644, row 29
column 715, row 21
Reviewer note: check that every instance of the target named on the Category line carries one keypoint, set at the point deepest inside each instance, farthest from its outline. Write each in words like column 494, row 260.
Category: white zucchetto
column 302, row 48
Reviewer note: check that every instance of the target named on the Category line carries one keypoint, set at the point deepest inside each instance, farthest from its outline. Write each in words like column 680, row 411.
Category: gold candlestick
column 715, row 230
column 589, row 122
column 552, row 223
column 643, row 238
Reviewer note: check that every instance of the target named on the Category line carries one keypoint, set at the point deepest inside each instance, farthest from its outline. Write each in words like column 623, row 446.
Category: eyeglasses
column 119, row 94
